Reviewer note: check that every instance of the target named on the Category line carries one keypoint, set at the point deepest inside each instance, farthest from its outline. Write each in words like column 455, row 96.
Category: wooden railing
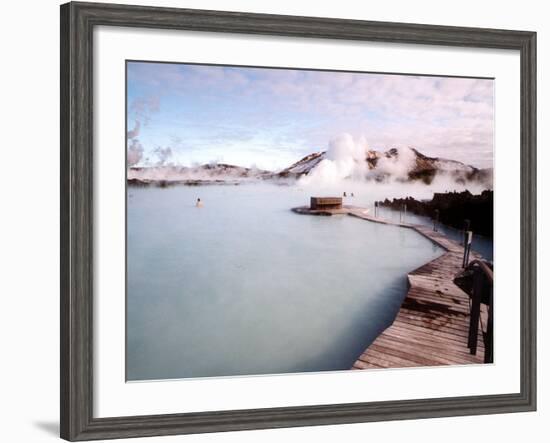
column 481, row 293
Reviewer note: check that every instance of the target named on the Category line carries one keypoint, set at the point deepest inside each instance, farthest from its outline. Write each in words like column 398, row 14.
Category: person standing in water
column 199, row 203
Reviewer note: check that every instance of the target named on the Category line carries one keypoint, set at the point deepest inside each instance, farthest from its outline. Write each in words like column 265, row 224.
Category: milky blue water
column 482, row 245
column 244, row 286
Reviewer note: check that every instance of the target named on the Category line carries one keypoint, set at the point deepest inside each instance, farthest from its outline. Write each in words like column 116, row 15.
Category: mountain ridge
column 424, row 167
column 378, row 166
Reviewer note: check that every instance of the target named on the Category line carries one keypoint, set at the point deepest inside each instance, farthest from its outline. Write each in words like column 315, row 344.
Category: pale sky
column 270, row 118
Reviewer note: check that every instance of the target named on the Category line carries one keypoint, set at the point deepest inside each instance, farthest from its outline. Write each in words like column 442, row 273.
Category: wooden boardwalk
column 431, row 328
column 432, row 325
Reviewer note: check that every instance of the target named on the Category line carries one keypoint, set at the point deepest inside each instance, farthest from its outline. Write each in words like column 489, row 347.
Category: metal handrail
column 486, row 269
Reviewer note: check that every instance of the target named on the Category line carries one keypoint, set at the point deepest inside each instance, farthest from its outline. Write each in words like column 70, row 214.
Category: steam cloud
column 135, row 149
column 346, row 158
column 135, row 152
column 398, row 166
column 143, row 107
column 141, row 110
column 133, row 133
column 163, row 155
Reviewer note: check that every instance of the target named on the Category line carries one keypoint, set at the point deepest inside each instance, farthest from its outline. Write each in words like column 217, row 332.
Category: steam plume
column 163, row 155
column 345, row 158
column 135, row 152
column 133, row 133
column 135, row 149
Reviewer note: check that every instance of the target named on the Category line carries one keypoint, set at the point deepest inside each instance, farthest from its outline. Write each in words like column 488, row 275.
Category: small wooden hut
column 319, row 203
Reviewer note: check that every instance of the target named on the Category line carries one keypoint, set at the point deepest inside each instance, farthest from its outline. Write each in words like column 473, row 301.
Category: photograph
column 288, row 220
column 272, row 222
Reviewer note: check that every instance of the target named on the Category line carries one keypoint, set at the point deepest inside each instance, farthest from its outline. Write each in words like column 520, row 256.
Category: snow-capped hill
column 420, row 161
column 402, row 164
column 420, row 166
column 302, row 166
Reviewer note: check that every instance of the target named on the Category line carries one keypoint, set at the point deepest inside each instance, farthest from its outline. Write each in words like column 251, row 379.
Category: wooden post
column 436, row 219
column 466, row 228
column 475, row 310
column 467, row 246
column 489, row 333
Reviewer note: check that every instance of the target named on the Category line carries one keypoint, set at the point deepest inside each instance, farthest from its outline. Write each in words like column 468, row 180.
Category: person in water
column 199, row 203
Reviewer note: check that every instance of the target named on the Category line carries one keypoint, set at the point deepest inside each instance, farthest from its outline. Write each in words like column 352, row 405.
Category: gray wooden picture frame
column 77, row 24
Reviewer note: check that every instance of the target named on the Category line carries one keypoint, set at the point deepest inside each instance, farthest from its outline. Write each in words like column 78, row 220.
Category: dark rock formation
column 454, row 208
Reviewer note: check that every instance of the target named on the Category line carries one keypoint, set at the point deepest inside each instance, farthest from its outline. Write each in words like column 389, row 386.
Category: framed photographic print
column 272, row 221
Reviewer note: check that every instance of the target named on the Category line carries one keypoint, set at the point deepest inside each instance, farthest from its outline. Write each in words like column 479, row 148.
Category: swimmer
column 199, row 203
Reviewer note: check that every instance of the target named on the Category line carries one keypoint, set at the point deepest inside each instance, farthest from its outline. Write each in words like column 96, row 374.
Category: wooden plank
column 422, row 304
column 386, row 360
column 436, row 323
column 458, row 319
column 449, row 334
column 431, row 328
column 436, row 353
column 429, row 347
column 421, row 358
column 399, row 334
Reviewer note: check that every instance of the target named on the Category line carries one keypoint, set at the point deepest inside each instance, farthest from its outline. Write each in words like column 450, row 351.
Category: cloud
column 142, row 107
column 440, row 116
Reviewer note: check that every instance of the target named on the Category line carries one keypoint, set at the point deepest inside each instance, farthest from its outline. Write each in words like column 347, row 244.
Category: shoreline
column 431, row 327
column 460, row 210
